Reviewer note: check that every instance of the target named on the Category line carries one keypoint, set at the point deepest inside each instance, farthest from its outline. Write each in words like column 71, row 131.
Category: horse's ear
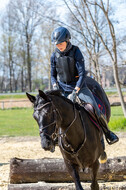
column 31, row 98
column 43, row 95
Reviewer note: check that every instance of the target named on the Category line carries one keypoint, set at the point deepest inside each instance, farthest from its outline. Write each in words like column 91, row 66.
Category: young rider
column 68, row 73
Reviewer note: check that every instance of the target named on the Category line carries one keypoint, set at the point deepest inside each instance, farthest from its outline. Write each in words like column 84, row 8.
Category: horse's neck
column 65, row 110
column 71, row 123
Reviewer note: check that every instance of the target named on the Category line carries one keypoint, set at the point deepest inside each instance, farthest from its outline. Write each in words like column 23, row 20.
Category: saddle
column 90, row 110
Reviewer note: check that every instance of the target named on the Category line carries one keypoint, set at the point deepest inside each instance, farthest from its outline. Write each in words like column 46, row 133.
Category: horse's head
column 44, row 114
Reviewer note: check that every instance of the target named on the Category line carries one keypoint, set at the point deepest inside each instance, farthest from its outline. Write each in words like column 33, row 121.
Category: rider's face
column 62, row 46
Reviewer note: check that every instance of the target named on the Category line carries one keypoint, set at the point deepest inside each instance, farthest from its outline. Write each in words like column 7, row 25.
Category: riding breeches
column 86, row 95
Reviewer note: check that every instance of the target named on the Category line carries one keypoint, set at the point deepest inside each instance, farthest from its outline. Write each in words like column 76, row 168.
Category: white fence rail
column 5, row 104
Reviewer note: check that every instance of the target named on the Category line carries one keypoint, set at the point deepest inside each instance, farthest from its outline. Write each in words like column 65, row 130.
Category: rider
column 68, row 73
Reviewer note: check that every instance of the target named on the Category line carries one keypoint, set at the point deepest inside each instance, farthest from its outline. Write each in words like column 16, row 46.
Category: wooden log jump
column 54, row 170
column 64, row 186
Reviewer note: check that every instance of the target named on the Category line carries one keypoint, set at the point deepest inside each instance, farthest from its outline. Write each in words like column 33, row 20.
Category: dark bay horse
column 78, row 138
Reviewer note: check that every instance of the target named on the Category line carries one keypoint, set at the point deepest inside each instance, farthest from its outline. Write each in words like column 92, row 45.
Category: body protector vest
column 65, row 66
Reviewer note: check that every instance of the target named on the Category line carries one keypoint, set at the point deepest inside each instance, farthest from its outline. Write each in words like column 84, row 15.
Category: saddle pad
column 100, row 104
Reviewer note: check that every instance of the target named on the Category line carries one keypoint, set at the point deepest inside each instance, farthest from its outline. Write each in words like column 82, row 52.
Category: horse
column 78, row 138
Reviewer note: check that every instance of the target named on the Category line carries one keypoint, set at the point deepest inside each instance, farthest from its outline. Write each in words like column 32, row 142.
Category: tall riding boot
column 109, row 135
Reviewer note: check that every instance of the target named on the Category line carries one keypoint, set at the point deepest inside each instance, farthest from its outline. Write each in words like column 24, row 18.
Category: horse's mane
column 59, row 94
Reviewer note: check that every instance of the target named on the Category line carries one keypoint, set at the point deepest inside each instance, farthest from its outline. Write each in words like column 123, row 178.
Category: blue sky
column 3, row 4
column 119, row 6
column 120, row 13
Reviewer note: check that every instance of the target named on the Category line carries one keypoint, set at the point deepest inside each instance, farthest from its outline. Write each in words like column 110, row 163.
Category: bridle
column 63, row 134
column 55, row 111
column 54, row 135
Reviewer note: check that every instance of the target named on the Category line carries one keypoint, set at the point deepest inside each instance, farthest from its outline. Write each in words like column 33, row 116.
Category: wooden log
column 116, row 104
column 64, row 186
column 54, row 170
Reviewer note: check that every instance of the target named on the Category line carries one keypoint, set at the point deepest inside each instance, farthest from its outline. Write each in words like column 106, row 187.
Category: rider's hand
column 55, row 86
column 77, row 89
column 73, row 96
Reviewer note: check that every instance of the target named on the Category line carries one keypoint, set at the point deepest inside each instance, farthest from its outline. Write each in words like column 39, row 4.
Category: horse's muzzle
column 47, row 144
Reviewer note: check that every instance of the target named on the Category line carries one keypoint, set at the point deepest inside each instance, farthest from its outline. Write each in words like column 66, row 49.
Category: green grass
column 19, row 96
column 20, row 122
column 13, row 96
column 117, row 120
column 2, row 97
column 23, row 96
column 114, row 93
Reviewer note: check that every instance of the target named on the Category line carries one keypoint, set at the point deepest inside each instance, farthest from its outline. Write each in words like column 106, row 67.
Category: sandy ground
column 10, row 103
column 30, row 147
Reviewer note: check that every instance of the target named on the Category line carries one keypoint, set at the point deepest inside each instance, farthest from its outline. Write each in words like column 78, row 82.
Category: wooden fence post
column 2, row 105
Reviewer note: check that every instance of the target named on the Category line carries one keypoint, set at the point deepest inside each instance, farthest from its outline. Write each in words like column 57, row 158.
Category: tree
column 48, row 49
column 26, row 45
column 27, row 20
column 110, row 48
column 85, row 34
column 9, row 45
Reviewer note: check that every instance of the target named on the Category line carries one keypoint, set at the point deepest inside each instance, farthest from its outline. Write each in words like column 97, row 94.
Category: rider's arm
column 53, row 70
column 80, row 65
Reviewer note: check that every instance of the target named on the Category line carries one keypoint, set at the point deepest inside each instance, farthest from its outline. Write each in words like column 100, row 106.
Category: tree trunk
column 65, row 186
column 115, row 71
column 22, row 80
column 54, row 170
column 10, row 73
column 49, row 78
column 29, row 66
column 98, row 70
column 113, row 54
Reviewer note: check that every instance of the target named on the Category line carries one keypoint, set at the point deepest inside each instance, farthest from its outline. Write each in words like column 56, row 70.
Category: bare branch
column 97, row 30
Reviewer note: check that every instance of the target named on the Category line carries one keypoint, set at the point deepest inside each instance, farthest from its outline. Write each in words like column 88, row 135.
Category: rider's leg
column 86, row 95
column 110, row 136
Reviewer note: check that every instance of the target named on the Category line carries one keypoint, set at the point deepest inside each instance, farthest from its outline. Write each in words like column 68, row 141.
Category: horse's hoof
column 103, row 158
column 94, row 186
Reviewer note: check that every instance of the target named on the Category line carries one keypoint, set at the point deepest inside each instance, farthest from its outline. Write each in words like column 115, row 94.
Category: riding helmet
column 60, row 35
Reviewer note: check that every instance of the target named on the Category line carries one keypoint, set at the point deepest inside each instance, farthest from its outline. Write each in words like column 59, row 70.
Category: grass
column 19, row 122
column 117, row 120
column 14, row 96
column 114, row 93
column 2, row 97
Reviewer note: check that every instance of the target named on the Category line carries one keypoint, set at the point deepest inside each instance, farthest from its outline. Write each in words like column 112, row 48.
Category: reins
column 62, row 135
column 68, row 145
column 72, row 152
column 72, row 122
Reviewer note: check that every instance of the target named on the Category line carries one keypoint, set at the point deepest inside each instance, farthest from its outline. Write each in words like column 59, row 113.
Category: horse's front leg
column 95, row 167
column 73, row 171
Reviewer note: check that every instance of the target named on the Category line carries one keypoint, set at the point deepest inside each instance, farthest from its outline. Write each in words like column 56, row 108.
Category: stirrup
column 111, row 142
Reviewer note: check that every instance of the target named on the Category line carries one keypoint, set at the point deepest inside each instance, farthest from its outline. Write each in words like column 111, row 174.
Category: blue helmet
column 60, row 35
